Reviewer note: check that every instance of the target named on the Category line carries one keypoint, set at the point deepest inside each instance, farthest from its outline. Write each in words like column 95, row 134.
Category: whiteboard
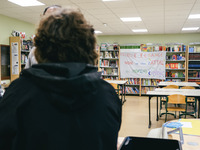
column 142, row 64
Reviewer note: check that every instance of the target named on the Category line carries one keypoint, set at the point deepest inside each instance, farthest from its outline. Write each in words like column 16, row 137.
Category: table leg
column 157, row 118
column 124, row 88
column 149, row 112
column 198, row 106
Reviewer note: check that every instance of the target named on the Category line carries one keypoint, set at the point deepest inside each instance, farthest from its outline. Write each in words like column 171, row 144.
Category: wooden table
column 166, row 92
column 121, row 83
column 191, row 139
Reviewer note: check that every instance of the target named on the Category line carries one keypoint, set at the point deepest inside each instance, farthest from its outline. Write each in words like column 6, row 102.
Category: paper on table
column 186, row 124
column 195, row 130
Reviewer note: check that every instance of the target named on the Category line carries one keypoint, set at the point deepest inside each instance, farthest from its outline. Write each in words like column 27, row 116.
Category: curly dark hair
column 65, row 36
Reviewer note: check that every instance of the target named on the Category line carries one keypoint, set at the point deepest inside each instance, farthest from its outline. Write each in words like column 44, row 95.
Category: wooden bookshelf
column 179, row 58
column 109, row 61
column 176, row 62
column 15, row 57
column 194, row 62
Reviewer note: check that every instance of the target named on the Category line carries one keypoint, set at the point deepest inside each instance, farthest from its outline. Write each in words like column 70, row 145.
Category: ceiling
column 158, row 16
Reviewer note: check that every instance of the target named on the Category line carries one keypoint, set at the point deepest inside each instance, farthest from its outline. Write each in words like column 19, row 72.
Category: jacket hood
column 69, row 85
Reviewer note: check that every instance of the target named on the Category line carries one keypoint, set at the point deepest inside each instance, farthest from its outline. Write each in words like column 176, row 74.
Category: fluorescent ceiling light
column 109, row 0
column 190, row 29
column 194, row 16
column 140, row 30
column 25, row 3
column 131, row 19
column 97, row 32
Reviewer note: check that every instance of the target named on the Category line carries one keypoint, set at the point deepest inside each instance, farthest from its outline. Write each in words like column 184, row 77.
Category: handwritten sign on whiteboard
column 142, row 64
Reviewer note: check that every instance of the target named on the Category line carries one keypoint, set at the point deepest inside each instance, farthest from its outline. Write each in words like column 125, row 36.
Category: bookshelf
column 176, row 65
column 25, row 50
column 151, row 47
column 182, row 64
column 97, row 48
column 148, row 85
column 133, row 85
column 109, row 61
column 194, row 62
column 15, row 57
column 19, row 50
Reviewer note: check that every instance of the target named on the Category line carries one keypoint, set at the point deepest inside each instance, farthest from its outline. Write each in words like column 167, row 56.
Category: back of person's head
column 50, row 9
column 65, row 36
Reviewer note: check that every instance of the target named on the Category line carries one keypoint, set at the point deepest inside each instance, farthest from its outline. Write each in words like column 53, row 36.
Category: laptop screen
column 142, row 143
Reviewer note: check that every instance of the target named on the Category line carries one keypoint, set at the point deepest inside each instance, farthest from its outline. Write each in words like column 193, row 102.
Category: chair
column 158, row 133
column 172, row 87
column 115, row 86
column 163, row 99
column 176, row 99
column 176, row 127
column 191, row 100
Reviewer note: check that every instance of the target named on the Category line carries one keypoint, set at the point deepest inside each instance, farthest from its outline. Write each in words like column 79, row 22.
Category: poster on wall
column 142, row 64
column 15, row 58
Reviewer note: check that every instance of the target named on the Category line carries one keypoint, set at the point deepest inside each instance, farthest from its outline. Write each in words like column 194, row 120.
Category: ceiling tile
column 99, row 11
column 158, row 16
column 97, row 5
column 120, row 4
column 148, row 3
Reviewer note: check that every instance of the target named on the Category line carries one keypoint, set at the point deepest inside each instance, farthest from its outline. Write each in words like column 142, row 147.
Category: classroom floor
column 135, row 117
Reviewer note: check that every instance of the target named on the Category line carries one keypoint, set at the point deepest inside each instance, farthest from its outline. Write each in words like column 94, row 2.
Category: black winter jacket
column 59, row 106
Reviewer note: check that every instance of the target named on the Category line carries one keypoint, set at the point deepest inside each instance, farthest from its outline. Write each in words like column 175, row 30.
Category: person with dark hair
column 61, row 103
column 31, row 56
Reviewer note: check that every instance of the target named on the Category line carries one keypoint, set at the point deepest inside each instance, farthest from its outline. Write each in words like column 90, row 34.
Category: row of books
column 145, row 48
column 194, row 66
column 148, row 82
column 175, row 74
column 109, row 71
column 132, row 80
column 144, row 90
column 106, row 54
column 174, row 65
column 195, row 49
column 173, row 80
column 132, row 90
column 108, row 63
column 194, row 80
column 111, row 77
column 24, row 58
column 194, row 57
column 107, row 46
column 175, row 57
column 176, row 48
column 27, row 45
column 195, row 74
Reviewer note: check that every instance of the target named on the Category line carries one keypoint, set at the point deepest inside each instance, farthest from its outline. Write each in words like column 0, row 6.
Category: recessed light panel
column 97, row 32
column 131, row 19
column 190, row 29
column 194, row 16
column 140, row 30
column 26, row 3
column 109, row 0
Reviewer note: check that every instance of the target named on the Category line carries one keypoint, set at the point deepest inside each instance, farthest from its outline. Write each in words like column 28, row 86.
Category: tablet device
column 143, row 143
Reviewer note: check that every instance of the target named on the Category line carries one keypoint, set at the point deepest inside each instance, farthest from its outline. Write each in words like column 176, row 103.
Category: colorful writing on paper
column 142, row 64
